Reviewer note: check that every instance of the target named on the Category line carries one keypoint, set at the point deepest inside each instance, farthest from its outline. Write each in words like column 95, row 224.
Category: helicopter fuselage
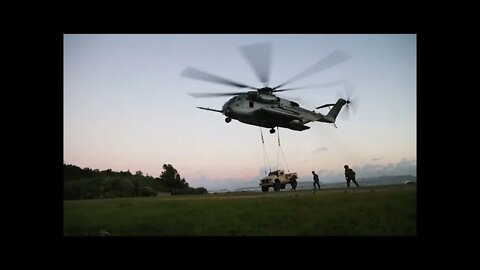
column 261, row 107
column 270, row 111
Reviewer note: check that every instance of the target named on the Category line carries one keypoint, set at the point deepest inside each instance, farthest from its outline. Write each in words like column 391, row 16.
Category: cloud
column 377, row 158
column 321, row 149
column 403, row 167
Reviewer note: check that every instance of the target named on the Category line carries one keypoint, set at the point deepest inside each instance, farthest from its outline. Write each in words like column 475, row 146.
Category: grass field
column 370, row 211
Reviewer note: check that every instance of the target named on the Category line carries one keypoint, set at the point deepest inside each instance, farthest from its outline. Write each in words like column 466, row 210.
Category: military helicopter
column 262, row 107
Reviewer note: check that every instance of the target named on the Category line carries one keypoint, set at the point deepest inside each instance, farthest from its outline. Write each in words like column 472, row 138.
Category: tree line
column 89, row 183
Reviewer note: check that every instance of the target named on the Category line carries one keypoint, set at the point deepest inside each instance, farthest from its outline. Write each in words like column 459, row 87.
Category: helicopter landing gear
column 272, row 131
column 228, row 119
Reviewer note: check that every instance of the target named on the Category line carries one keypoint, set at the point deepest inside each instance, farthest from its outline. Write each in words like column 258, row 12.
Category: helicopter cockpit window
column 294, row 104
column 250, row 104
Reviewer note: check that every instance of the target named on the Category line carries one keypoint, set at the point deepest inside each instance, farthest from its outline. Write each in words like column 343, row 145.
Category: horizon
column 337, row 178
column 310, row 182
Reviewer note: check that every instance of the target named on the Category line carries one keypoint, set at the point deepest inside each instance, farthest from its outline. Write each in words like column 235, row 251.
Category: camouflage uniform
column 293, row 182
column 350, row 176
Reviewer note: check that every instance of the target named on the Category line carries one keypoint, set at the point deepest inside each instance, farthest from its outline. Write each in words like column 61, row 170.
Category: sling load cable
column 265, row 154
column 280, row 148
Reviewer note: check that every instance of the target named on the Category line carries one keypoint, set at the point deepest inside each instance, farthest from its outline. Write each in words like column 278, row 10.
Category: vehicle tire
column 276, row 186
column 265, row 189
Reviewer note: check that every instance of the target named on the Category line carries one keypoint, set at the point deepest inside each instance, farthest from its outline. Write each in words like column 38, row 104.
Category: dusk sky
column 126, row 107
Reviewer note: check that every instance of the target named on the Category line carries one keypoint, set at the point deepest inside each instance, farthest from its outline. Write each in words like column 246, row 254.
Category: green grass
column 378, row 211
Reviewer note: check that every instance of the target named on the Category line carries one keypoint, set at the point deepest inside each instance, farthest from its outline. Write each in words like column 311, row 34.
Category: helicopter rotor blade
column 297, row 99
column 206, row 95
column 204, row 76
column 259, row 56
column 321, row 85
column 329, row 61
column 349, row 90
column 345, row 113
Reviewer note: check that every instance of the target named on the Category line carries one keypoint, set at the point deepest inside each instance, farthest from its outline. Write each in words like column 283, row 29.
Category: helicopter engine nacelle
column 269, row 99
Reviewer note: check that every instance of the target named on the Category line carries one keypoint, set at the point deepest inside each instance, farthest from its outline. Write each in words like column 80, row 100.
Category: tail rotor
column 352, row 102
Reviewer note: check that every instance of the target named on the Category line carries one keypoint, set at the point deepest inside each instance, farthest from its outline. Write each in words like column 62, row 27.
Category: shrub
column 148, row 191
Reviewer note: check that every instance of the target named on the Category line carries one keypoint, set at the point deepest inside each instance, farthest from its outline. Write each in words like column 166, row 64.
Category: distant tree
column 127, row 173
column 148, row 191
column 127, row 189
column 201, row 190
column 184, row 183
column 92, row 183
column 71, row 172
column 171, row 179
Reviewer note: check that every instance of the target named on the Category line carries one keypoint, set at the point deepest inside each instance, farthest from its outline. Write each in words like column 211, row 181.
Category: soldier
column 350, row 176
column 316, row 181
column 293, row 182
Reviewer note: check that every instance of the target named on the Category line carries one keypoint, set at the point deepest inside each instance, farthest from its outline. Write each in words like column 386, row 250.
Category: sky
column 126, row 107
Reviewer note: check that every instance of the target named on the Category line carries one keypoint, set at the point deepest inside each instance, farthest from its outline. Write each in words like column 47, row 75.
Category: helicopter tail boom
column 332, row 114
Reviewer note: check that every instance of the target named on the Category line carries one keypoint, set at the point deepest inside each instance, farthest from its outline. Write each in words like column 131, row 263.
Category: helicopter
column 260, row 106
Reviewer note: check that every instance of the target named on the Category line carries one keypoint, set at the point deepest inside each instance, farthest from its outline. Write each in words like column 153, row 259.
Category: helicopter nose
column 227, row 110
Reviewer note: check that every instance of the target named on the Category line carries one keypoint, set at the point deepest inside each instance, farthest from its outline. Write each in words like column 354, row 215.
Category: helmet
column 346, row 166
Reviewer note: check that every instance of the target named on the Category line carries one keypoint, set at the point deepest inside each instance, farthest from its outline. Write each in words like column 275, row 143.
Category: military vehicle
column 278, row 180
